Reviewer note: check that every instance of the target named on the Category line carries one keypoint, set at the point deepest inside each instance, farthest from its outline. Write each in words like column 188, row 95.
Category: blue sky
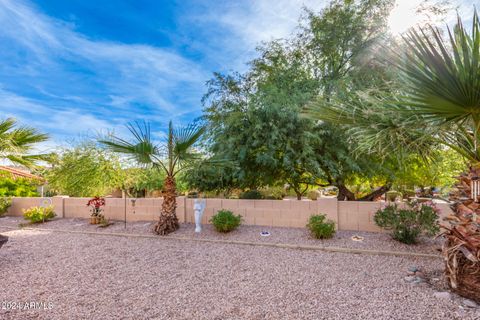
column 78, row 67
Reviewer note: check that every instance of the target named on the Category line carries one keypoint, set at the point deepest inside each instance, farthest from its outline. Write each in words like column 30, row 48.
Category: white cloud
column 130, row 73
column 72, row 123
column 266, row 20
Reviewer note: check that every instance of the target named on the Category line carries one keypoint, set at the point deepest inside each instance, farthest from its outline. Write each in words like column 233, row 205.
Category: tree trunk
column 168, row 221
column 299, row 192
column 376, row 193
column 462, row 247
column 299, row 195
column 344, row 193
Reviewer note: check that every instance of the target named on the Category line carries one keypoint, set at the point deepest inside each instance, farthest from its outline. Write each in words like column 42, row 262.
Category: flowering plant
column 96, row 205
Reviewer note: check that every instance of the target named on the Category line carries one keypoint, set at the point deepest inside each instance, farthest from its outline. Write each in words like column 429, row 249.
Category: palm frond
column 186, row 137
column 16, row 143
column 173, row 156
column 183, row 140
column 141, row 149
column 376, row 126
column 443, row 77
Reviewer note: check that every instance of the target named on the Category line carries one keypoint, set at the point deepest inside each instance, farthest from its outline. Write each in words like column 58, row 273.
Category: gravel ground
column 104, row 277
column 372, row 240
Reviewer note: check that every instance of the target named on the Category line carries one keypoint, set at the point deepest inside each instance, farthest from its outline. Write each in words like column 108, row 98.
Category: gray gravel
column 372, row 240
column 105, row 277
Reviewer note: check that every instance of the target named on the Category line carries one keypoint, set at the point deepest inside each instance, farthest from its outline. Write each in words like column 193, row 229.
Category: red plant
column 96, row 204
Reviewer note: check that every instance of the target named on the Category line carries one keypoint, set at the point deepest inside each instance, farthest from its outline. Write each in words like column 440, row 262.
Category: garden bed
column 293, row 236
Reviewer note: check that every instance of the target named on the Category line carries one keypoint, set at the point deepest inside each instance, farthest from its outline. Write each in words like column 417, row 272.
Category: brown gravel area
column 371, row 241
column 104, row 277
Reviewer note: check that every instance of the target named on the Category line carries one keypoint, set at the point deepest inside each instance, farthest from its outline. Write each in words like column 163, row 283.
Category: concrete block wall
column 347, row 215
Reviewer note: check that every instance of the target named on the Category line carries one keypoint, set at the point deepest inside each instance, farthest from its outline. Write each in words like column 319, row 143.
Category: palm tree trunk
column 168, row 221
column 462, row 246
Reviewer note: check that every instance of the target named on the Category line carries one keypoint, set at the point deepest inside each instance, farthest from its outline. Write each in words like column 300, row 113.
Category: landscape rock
column 469, row 303
column 442, row 295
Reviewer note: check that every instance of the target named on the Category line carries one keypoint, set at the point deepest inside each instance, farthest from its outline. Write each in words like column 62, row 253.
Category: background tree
column 140, row 181
column 18, row 142
column 172, row 157
column 439, row 172
column 85, row 171
column 254, row 119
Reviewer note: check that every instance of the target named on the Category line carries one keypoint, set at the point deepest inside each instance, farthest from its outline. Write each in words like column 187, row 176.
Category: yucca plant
column 175, row 155
column 17, row 143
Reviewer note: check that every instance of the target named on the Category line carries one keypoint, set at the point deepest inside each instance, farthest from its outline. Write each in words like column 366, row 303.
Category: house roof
column 16, row 173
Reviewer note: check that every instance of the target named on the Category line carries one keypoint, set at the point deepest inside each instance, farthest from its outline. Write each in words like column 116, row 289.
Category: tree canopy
column 255, row 119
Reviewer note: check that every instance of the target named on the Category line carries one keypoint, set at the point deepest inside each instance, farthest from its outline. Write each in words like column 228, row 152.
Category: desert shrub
column 392, row 195
column 5, row 203
column 409, row 223
column 39, row 214
column 225, row 221
column 273, row 193
column 251, row 194
column 313, row 195
column 320, row 227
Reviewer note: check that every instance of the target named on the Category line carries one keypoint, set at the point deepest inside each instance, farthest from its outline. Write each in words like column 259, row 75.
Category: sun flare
column 404, row 16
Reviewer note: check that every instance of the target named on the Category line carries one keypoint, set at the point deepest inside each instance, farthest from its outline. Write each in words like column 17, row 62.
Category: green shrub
column 225, row 221
column 320, row 227
column 20, row 187
column 5, row 203
column 409, row 223
column 273, row 193
column 39, row 214
column 251, row 194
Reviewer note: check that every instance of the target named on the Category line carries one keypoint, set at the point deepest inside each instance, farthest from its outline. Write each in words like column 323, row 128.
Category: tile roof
column 16, row 173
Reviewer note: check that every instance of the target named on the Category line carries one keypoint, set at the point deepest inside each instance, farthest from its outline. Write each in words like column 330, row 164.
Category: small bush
column 320, row 228
column 408, row 224
column 225, row 221
column 5, row 203
column 251, row 194
column 192, row 194
column 273, row 193
column 39, row 214
column 392, row 195
column 313, row 195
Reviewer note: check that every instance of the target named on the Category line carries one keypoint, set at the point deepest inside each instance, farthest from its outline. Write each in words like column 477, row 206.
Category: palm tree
column 443, row 85
column 172, row 157
column 17, row 143
column 440, row 103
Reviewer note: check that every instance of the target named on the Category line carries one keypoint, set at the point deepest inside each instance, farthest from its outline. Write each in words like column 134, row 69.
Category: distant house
column 17, row 173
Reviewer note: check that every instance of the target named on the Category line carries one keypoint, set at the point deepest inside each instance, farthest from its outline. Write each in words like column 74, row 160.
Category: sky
column 80, row 68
